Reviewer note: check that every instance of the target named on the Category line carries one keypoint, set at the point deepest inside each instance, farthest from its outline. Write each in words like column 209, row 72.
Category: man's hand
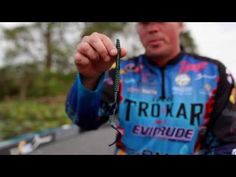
column 95, row 54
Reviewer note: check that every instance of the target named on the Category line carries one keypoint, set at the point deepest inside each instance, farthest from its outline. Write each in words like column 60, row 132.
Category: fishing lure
column 112, row 118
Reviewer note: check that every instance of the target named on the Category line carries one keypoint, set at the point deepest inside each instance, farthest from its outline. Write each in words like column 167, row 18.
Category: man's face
column 160, row 38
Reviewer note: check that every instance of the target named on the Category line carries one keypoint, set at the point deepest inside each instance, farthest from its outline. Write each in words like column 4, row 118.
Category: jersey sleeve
column 90, row 108
column 223, row 123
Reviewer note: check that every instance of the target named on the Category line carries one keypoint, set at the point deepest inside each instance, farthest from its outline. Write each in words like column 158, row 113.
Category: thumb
column 114, row 52
column 123, row 52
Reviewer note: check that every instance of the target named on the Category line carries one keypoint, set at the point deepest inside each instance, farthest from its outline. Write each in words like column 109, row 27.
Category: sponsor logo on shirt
column 206, row 90
column 164, row 132
column 182, row 90
column 205, row 76
column 142, row 90
column 130, row 67
column 186, row 66
column 182, row 80
column 143, row 109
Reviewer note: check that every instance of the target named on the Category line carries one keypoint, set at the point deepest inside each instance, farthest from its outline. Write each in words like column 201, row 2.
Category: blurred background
column 37, row 71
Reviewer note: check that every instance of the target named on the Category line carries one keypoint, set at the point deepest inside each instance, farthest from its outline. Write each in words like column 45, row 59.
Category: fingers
column 85, row 49
column 96, row 47
column 123, row 52
column 81, row 60
column 101, row 46
column 110, row 47
column 108, row 44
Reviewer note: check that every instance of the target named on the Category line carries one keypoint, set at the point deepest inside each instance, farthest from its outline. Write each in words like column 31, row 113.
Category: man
column 171, row 102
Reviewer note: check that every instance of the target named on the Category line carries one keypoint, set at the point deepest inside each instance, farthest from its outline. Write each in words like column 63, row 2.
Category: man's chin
column 156, row 54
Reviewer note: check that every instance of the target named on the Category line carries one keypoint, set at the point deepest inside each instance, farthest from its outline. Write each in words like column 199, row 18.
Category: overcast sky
column 215, row 40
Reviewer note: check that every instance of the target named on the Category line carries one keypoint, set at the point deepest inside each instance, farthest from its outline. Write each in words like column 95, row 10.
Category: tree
column 36, row 48
column 16, row 80
column 108, row 28
column 19, row 42
column 188, row 43
column 48, row 42
column 59, row 43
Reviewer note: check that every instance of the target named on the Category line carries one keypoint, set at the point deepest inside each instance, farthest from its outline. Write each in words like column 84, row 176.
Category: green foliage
column 28, row 81
column 51, row 84
column 108, row 28
column 43, row 106
column 188, row 42
column 20, row 117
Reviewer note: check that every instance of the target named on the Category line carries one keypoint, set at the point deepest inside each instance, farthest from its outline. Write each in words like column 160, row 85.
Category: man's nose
column 153, row 27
